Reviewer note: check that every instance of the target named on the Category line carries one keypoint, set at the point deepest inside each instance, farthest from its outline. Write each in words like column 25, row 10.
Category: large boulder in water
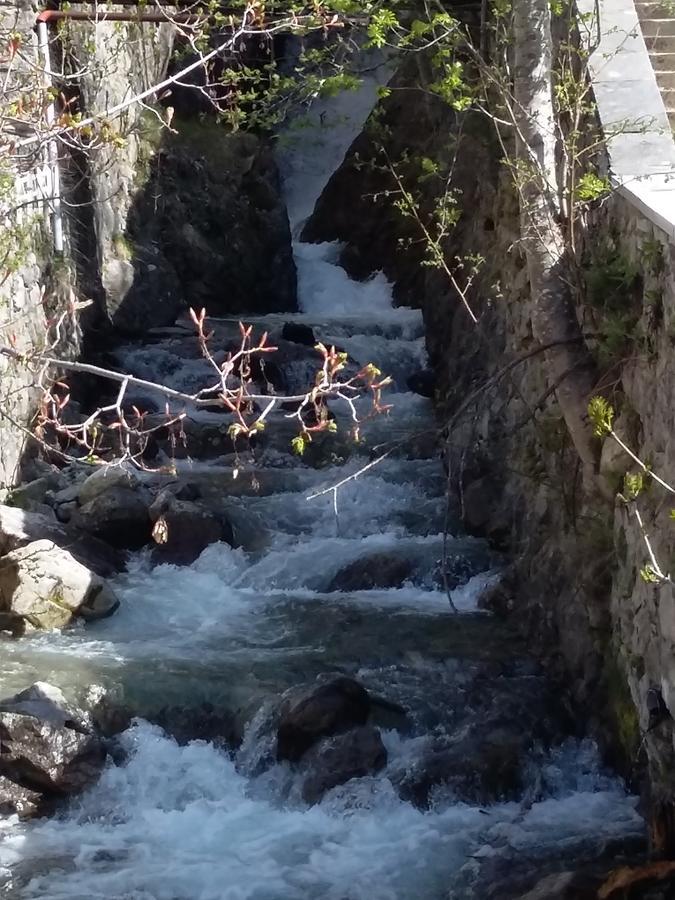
column 47, row 751
column 377, row 570
column 311, row 712
column 118, row 516
column 336, row 760
column 183, row 529
column 43, row 586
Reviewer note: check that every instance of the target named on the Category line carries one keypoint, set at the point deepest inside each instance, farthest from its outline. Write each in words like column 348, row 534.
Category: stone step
column 663, row 62
column 666, row 81
column 658, row 27
column 648, row 9
column 660, row 43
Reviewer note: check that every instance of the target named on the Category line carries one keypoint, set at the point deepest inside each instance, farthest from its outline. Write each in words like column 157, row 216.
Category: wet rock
column 298, row 333
column 422, row 382
column 199, row 723
column 43, row 586
column 338, row 759
column 481, row 768
column 16, row 798
column 119, row 516
column 246, row 529
column 46, row 752
column 378, row 570
column 187, row 529
column 18, row 528
column 46, row 702
column 463, row 560
column 311, row 712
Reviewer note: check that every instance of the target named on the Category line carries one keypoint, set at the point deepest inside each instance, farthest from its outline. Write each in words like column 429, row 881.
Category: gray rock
column 46, row 758
column 48, row 751
column 188, row 529
column 119, row 516
column 16, row 798
column 310, row 712
column 18, row 528
column 43, row 586
column 338, row 759
column 46, row 702
column 480, row 768
column 34, row 493
column 101, row 481
column 378, row 570
column 64, row 511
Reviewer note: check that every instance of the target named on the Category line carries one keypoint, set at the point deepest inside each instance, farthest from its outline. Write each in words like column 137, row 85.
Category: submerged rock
column 42, row 586
column 481, row 769
column 310, row 712
column 378, row 570
column 338, row 759
column 199, row 723
column 46, row 751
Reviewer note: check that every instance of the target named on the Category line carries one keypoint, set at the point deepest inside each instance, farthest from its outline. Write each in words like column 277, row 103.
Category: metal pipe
column 55, row 15
column 52, row 146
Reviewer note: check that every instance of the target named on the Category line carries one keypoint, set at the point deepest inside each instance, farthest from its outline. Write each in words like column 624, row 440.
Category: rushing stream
column 170, row 821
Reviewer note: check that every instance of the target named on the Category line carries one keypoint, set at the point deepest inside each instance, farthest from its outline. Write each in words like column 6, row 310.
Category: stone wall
column 574, row 583
column 120, row 60
column 23, row 260
column 186, row 215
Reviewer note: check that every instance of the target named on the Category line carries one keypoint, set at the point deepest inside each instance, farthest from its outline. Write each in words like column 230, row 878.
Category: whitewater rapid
column 170, row 822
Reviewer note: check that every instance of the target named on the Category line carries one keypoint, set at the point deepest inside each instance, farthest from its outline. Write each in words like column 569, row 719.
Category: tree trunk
column 554, row 319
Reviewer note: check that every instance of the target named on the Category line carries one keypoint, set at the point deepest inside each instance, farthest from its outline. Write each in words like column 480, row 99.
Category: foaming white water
column 185, row 823
column 180, row 823
column 325, row 289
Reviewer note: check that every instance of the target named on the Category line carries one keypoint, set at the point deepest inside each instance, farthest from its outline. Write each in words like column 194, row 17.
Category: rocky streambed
column 278, row 702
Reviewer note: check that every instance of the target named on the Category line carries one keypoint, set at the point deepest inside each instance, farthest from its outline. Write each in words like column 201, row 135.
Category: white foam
column 181, row 822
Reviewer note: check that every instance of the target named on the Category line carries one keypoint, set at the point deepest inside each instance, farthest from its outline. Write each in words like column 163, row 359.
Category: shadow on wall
column 207, row 227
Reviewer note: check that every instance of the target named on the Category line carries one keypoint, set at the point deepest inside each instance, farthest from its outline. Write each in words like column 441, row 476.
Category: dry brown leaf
column 627, row 876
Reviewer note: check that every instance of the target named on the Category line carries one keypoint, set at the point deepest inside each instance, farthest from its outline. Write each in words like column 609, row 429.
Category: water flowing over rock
column 308, row 713
column 336, row 760
column 268, row 737
column 381, row 570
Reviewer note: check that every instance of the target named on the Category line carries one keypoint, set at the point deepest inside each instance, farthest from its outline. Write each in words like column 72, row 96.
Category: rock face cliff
column 575, row 582
column 180, row 216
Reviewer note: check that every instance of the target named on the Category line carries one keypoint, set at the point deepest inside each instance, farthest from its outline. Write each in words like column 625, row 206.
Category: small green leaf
column 298, row 444
column 649, row 575
column 601, row 414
